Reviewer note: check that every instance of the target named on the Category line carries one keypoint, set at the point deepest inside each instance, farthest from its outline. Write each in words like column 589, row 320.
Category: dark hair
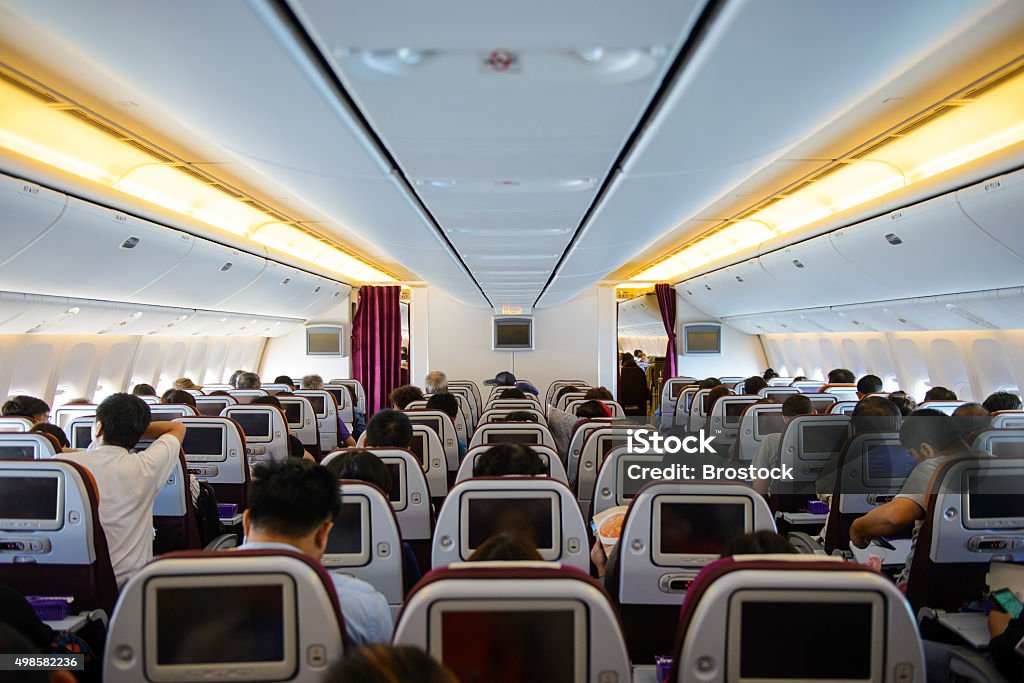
column 267, row 401
column 592, row 408
column 717, row 393
column 24, row 406
column 903, row 401
column 939, row 394
column 800, row 378
column 599, row 393
column 770, row 374
column 143, row 389
column 125, row 419
column 625, row 355
column 284, row 379
column 362, row 465
column 628, row 362
column 709, row 383
column 233, row 380
column 754, row 384
column 565, row 390
column 445, row 402
column 218, row 392
column 797, row 404
column 507, row 459
column 932, row 427
column 520, row 416
column 971, row 419
column 54, row 431
column 293, row 498
column 248, row 380
column 758, row 543
column 512, row 392
column 1002, row 400
column 178, row 396
column 638, row 352
column 389, row 428
column 505, row 547
column 875, row 414
column 404, row 395
column 841, row 376
column 388, row 664
column 869, row 384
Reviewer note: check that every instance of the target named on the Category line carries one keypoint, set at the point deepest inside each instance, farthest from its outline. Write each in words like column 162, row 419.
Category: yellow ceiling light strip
column 965, row 131
column 39, row 126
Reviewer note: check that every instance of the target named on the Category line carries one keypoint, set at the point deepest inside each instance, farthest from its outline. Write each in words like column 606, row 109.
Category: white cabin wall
column 58, row 368
column 286, row 355
column 973, row 363
column 575, row 340
column 742, row 353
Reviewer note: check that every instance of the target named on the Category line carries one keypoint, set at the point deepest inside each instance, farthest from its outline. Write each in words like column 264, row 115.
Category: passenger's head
column 592, row 409
column 121, row 420
column 625, row 357
column 445, row 402
column 233, row 380
column 184, row 383
column 284, row 379
column 875, row 414
column 248, row 380
column 35, row 409
column 569, row 389
column 598, row 393
column 770, row 374
column 715, row 394
column 512, row 393
column 178, row 396
column 971, row 419
column 293, row 502
column 903, row 401
column 312, row 382
column 939, row 394
column 637, row 353
column 436, row 382
column 404, row 395
column 841, row 376
column 143, row 389
column 754, row 384
column 796, row 405
column 758, row 543
column 388, row 664
column 1002, row 400
column 361, row 465
column 709, row 383
column 929, row 433
column 53, row 430
column 389, row 428
column 520, row 416
column 505, row 547
column 869, row 384
column 507, row 459
column 629, row 362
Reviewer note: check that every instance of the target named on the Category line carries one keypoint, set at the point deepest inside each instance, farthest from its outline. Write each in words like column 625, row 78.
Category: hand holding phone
column 1008, row 602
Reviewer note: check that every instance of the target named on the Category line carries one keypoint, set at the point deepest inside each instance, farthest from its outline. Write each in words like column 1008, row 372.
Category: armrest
column 223, row 542
column 804, row 543
column 98, row 615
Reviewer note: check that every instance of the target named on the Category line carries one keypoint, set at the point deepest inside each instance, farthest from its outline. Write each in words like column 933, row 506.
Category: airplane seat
column 725, row 419
column 355, row 388
column 473, row 389
column 275, row 389
column 64, row 414
column 808, row 443
column 581, row 431
column 1001, row 443
column 975, row 515
column 541, row 508
column 845, row 392
column 416, row 405
column 553, row 388
column 547, row 454
column 79, row 430
column 946, row 407
column 842, row 621
column 442, row 424
column 696, row 417
column 492, row 415
column 244, row 396
column 599, row 443
column 573, row 405
column 427, row 449
column 758, row 421
column 303, row 423
column 174, row 516
column 245, row 615
column 12, row 423
column 365, row 541
column 679, row 407
column 467, row 401
column 165, row 412
column 613, row 487
column 657, row 559
column 328, row 413
column 265, row 430
column 567, row 397
column 1008, row 419
column 513, row 404
column 516, row 621
column 213, row 406
column 214, row 450
column 633, row 394
column 511, row 432
column 842, row 408
column 28, row 446
column 671, row 388
column 51, row 541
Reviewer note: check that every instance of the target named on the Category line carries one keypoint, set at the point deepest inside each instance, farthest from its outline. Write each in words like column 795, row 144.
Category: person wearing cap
column 185, row 384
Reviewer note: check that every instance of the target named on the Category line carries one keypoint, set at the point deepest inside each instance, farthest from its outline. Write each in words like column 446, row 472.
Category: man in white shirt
column 127, row 482
column 293, row 506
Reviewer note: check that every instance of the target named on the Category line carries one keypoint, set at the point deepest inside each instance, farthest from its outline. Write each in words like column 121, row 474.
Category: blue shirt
column 365, row 611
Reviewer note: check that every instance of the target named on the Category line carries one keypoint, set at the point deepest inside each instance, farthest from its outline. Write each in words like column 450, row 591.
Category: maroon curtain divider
column 667, row 306
column 377, row 343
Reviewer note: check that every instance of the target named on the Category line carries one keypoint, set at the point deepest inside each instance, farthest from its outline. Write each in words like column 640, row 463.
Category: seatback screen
column 890, row 462
column 418, row 446
column 82, row 436
column 733, row 412
column 528, row 518
column 995, row 497
column 346, row 537
column 292, row 412
column 823, row 440
column 433, row 423
column 28, row 498
column 318, row 403
column 203, row 440
column 254, row 425
column 211, row 408
column 395, row 470
column 769, row 423
column 700, row 528
column 496, row 437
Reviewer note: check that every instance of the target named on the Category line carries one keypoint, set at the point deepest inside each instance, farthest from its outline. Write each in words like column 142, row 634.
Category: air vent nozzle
column 226, row 267
column 798, row 263
column 893, row 239
column 130, row 243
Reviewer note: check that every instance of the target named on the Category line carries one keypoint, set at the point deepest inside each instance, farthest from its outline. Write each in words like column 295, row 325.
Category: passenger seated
column 717, row 393
column 127, row 482
column 933, row 440
column 314, row 382
column 295, row 447
column 904, row 402
column 507, row 459
column 345, row 437
column 56, row 432
column 389, row 428
column 872, row 414
column 436, row 382
column 971, row 419
column 869, row 384
column 520, row 416
column 1006, row 633
column 185, row 384
column 598, row 394
column 940, row 394
column 233, row 379
column 449, row 405
column 292, row 506
column 404, row 395
column 512, row 393
column 35, row 409
column 1002, row 400
column 178, row 396
column 280, row 379
column 390, row 664
column 143, row 389
column 770, row 374
column 248, row 380
column 754, row 384
column 768, row 454
column 505, row 547
column 841, row 376
column 709, row 383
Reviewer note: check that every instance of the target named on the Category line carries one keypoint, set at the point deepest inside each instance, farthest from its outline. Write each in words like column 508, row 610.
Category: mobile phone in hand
column 1007, row 600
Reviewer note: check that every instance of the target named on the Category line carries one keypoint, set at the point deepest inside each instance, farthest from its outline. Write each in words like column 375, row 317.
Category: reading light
column 54, row 134
column 966, row 131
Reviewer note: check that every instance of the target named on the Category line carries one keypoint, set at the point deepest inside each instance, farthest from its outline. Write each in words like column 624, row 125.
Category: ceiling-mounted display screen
column 324, row 340
column 702, row 339
column 512, row 334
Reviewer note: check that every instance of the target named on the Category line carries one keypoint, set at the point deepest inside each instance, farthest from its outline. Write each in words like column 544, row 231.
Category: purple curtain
column 667, row 306
column 376, row 344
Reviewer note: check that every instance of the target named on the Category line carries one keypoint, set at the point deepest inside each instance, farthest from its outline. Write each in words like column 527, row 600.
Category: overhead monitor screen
column 702, row 339
column 513, row 334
